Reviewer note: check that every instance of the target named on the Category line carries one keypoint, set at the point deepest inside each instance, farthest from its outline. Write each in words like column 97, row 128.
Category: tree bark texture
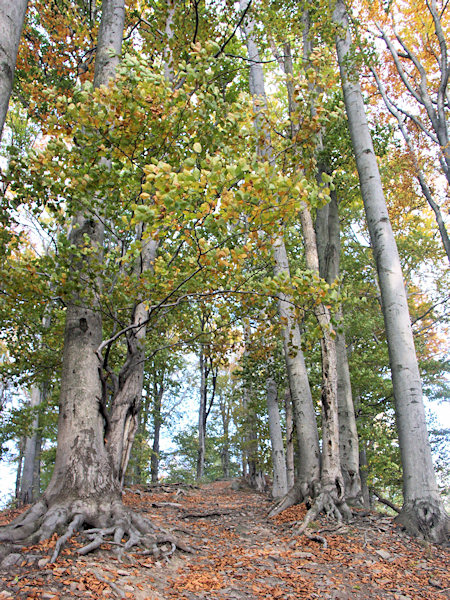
column 28, row 483
column 423, row 510
column 12, row 17
column 290, row 465
column 279, row 487
column 305, row 418
column 328, row 247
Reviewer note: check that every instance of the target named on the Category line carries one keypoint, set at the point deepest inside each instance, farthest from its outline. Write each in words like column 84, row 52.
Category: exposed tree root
column 100, row 521
column 328, row 502
column 329, row 499
column 426, row 519
column 300, row 492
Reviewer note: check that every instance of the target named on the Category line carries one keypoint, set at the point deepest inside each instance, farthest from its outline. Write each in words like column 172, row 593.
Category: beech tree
column 307, row 434
column 422, row 511
column 421, row 111
column 85, row 487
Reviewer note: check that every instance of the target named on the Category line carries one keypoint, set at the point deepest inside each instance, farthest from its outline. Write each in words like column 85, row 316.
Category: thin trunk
column 423, row 511
column 225, row 451
column 19, row 466
column 28, row 483
column 305, row 418
column 280, row 486
column 157, row 422
column 363, row 473
column 308, row 438
column 12, row 17
column 126, row 403
column 255, row 476
column 332, row 483
column 331, row 475
column 202, row 416
column 290, row 465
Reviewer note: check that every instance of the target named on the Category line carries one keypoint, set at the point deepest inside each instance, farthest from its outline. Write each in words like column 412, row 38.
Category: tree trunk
column 290, row 465
column 12, row 17
column 422, row 511
column 21, row 445
column 157, row 422
column 332, row 494
column 306, row 425
column 328, row 247
column 126, row 403
column 363, row 473
column 202, row 417
column 255, row 475
column 225, row 413
column 32, row 446
column 279, row 487
column 85, row 486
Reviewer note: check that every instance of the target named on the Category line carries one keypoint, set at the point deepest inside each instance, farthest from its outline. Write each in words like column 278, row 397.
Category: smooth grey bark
column 12, row 17
column 331, row 496
column 290, row 465
column 423, row 512
column 31, row 452
column 19, row 466
column 306, row 425
column 328, row 246
column 363, row 473
column 126, row 401
column 279, row 486
column 206, row 368
column 254, row 474
column 305, row 418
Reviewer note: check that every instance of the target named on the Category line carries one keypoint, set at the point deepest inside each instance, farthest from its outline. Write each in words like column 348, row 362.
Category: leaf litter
column 240, row 554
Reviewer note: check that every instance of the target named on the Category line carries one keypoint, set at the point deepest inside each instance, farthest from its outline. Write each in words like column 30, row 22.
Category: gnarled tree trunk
column 328, row 246
column 85, row 489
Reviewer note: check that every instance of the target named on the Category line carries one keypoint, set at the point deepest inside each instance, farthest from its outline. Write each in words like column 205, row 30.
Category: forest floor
column 239, row 555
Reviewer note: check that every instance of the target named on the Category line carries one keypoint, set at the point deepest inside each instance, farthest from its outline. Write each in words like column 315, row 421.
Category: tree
column 306, row 425
column 12, row 17
column 280, row 486
column 85, row 487
column 421, row 111
column 422, row 510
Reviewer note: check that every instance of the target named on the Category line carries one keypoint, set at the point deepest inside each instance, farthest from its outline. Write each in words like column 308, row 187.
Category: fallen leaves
column 241, row 555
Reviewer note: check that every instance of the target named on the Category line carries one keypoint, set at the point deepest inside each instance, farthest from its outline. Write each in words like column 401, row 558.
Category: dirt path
column 240, row 555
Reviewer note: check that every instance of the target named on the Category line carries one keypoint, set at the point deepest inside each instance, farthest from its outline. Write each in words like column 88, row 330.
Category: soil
column 239, row 554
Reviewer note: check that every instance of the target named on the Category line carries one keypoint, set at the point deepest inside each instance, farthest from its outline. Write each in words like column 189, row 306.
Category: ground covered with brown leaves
column 239, row 555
